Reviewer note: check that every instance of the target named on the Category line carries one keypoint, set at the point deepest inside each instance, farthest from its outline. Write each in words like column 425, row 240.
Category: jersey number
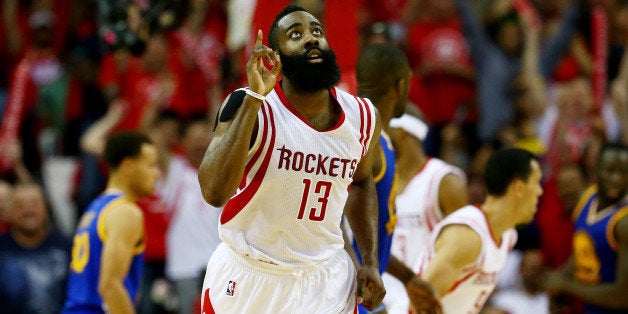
column 80, row 252
column 321, row 189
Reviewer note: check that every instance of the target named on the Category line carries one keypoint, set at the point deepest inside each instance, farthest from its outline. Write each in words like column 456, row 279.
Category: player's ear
column 517, row 187
column 127, row 165
column 400, row 87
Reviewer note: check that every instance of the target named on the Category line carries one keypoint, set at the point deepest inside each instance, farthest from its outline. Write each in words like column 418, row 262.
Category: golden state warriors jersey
column 82, row 291
column 594, row 243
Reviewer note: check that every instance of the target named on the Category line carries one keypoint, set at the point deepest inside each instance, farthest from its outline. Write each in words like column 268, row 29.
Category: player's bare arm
column 420, row 292
column 452, row 193
column 610, row 295
column 223, row 165
column 123, row 231
column 361, row 212
column 456, row 247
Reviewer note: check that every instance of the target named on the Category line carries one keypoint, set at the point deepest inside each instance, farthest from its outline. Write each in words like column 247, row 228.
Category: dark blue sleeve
column 474, row 31
column 554, row 48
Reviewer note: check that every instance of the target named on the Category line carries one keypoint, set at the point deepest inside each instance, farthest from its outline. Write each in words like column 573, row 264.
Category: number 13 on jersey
column 320, row 194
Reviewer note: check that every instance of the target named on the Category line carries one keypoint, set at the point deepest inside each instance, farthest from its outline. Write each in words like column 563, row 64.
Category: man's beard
column 310, row 77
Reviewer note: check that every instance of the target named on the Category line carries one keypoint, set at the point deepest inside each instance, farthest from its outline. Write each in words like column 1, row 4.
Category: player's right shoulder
column 460, row 241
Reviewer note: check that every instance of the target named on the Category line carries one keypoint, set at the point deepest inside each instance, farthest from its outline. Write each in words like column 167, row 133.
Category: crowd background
column 548, row 76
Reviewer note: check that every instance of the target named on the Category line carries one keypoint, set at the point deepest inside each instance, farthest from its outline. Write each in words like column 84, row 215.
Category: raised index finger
column 258, row 41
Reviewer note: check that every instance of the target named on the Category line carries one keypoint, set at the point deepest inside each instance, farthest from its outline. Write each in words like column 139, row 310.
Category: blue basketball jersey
column 82, row 291
column 386, row 186
column 594, row 243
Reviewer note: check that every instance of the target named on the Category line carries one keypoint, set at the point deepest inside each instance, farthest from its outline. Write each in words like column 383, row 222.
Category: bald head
column 379, row 67
column 382, row 68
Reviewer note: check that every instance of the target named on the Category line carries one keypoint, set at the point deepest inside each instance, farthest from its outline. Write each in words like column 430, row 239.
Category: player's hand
column 370, row 289
column 261, row 79
column 422, row 298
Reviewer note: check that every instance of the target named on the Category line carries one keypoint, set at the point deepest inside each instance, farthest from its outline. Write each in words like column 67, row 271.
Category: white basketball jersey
column 193, row 225
column 288, row 207
column 418, row 211
column 479, row 278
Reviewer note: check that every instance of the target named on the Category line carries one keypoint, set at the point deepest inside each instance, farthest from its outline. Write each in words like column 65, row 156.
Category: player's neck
column 117, row 184
column 305, row 102
column 606, row 202
column 499, row 215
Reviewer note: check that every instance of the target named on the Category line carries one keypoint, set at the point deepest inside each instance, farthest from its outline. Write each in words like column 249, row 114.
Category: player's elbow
column 213, row 194
column 215, row 199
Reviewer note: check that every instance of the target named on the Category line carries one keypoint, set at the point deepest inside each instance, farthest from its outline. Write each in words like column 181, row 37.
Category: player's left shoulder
column 127, row 210
column 617, row 229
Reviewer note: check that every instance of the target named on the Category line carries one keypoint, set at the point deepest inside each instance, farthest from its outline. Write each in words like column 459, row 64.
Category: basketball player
column 107, row 255
column 383, row 76
column 597, row 271
column 430, row 190
column 286, row 157
column 468, row 248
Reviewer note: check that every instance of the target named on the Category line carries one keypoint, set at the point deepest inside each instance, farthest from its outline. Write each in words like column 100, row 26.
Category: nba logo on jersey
column 231, row 288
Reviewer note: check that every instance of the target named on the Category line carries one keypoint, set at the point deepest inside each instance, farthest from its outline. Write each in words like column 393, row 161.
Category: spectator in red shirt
column 561, row 193
column 39, row 66
column 197, row 52
column 442, row 65
column 139, row 83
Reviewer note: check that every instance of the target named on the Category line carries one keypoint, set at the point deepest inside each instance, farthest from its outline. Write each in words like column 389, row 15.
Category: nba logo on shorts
column 231, row 288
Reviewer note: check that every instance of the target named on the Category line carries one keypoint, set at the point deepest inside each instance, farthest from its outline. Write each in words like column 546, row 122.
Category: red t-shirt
column 136, row 87
column 442, row 93
column 156, row 217
column 556, row 227
column 195, row 61
column 384, row 10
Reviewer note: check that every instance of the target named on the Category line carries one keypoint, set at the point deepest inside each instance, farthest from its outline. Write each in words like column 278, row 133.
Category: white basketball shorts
column 238, row 284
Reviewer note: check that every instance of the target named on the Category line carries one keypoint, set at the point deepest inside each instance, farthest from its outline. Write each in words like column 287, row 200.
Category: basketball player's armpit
column 230, row 107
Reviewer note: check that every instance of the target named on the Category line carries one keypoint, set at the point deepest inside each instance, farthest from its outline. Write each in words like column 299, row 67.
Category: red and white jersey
column 288, row 207
column 479, row 278
column 418, row 211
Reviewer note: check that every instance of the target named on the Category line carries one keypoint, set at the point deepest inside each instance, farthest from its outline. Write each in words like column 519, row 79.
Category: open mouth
column 315, row 56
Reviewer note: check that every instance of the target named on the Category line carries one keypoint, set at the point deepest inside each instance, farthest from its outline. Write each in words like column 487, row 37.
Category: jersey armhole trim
column 610, row 227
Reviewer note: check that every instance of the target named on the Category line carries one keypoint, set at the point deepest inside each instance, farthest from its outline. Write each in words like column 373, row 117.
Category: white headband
column 410, row 124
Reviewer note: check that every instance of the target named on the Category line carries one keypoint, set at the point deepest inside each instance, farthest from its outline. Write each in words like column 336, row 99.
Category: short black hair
column 124, row 144
column 379, row 67
column 273, row 33
column 504, row 166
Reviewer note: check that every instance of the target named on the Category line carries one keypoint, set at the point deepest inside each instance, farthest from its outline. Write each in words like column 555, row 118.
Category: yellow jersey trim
column 583, row 201
column 100, row 224
column 610, row 227
column 382, row 171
